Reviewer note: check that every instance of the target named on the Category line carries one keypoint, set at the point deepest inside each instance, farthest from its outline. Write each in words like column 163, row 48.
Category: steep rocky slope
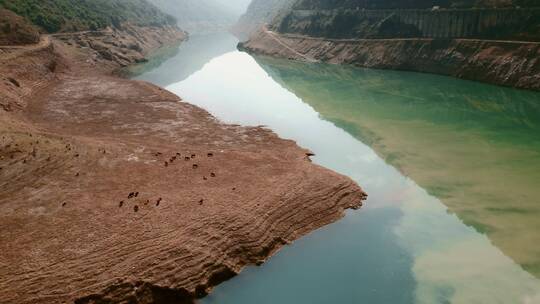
column 115, row 191
column 488, row 44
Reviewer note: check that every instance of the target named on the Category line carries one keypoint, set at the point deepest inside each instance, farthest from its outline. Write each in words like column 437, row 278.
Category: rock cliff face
column 484, row 43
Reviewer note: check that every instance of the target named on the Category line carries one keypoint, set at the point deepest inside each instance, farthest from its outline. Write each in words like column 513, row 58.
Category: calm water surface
column 451, row 167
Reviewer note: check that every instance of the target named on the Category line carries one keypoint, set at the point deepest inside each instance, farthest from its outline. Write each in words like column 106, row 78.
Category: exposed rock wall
column 504, row 63
column 511, row 23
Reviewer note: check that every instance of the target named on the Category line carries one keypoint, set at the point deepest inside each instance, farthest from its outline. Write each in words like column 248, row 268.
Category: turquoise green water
column 450, row 167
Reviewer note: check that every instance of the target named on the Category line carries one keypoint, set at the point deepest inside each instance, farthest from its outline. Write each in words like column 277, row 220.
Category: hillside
column 65, row 15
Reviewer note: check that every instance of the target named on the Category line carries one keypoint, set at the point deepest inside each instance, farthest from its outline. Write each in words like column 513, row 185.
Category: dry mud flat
column 115, row 191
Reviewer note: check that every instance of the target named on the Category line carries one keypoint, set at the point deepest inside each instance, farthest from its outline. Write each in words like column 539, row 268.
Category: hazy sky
column 238, row 6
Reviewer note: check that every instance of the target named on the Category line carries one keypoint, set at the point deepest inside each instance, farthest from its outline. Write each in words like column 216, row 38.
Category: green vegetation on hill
column 68, row 15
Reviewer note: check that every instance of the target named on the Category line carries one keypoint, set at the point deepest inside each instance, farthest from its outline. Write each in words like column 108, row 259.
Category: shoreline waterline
column 404, row 246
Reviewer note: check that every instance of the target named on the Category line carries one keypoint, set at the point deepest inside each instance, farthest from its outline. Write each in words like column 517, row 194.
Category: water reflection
column 166, row 67
column 404, row 247
column 475, row 147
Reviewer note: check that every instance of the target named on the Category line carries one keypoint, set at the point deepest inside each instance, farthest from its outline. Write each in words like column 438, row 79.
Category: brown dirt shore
column 115, row 191
column 506, row 63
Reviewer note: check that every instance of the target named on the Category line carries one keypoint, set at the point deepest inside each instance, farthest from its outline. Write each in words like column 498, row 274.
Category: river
column 452, row 169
